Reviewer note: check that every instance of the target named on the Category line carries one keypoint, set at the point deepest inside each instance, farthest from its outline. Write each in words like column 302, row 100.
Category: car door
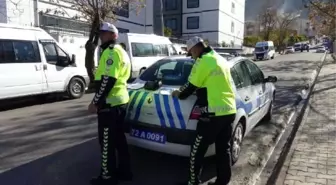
column 259, row 86
column 56, row 68
column 246, row 92
column 20, row 68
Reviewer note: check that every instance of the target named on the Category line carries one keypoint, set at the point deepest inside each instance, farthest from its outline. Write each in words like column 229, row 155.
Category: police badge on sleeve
column 109, row 62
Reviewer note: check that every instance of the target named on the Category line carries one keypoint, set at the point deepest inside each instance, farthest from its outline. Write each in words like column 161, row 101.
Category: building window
column 233, row 7
column 170, row 4
column 232, row 27
column 171, row 23
column 123, row 11
column 193, row 23
column 192, row 3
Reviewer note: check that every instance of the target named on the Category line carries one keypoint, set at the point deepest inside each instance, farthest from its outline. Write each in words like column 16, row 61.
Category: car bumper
column 178, row 141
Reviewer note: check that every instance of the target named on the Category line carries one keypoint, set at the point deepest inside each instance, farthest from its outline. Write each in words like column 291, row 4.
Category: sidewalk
column 313, row 159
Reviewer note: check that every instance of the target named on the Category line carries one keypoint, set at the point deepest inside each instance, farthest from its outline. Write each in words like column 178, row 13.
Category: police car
column 159, row 122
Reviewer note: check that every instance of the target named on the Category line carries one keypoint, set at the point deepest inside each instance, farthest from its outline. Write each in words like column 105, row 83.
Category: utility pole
column 161, row 17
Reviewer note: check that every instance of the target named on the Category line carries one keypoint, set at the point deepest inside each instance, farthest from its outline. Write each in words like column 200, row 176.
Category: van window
column 53, row 53
column 142, row 49
column 161, row 50
column 14, row 51
column 149, row 50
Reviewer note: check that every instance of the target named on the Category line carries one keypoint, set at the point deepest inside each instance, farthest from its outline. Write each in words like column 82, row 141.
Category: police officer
column 211, row 79
column 110, row 103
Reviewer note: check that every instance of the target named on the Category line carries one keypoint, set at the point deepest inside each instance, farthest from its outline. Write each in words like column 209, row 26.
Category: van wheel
column 236, row 142
column 272, row 57
column 76, row 88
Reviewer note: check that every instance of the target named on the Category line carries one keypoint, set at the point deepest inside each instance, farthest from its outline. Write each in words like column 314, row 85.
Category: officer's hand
column 176, row 93
column 92, row 108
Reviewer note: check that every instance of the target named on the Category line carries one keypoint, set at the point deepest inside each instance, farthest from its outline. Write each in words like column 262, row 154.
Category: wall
column 208, row 20
column 24, row 14
column 226, row 16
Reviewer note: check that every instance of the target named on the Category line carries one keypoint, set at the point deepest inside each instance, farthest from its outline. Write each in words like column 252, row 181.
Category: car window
column 236, row 78
column 257, row 75
column 169, row 71
column 243, row 74
column 50, row 52
column 172, row 50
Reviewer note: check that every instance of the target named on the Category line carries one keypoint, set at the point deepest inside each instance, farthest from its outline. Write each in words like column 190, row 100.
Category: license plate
column 148, row 135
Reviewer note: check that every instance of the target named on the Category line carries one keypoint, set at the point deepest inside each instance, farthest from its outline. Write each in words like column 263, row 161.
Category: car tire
column 272, row 57
column 268, row 116
column 236, row 142
column 76, row 88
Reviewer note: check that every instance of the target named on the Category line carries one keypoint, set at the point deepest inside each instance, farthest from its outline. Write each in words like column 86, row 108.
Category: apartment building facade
column 216, row 20
column 60, row 17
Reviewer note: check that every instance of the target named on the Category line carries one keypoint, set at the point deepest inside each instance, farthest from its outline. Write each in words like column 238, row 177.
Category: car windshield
column 170, row 71
column 259, row 49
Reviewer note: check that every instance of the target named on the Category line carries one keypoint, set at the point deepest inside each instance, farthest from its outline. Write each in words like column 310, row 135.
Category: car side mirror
column 272, row 79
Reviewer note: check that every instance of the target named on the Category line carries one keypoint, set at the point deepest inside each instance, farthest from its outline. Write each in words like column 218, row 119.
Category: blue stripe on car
column 138, row 108
column 246, row 106
column 168, row 112
column 159, row 110
column 179, row 113
column 131, row 105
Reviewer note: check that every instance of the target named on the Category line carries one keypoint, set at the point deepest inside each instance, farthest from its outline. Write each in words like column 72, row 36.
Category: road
column 54, row 143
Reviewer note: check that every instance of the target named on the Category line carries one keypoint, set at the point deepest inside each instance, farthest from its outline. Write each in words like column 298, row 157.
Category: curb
column 273, row 166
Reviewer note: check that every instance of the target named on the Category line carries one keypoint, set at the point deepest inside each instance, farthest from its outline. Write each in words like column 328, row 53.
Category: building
column 59, row 17
column 218, row 21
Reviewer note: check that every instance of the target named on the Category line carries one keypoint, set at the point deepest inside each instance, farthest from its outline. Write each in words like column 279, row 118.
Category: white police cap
column 105, row 26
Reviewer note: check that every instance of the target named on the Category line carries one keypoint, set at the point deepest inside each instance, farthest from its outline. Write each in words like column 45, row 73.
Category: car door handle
column 247, row 98
column 45, row 67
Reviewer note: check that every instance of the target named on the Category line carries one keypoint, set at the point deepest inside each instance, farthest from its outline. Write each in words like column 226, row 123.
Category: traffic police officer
column 110, row 103
column 211, row 79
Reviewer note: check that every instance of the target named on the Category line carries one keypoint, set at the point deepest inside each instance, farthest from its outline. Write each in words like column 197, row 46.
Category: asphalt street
column 53, row 142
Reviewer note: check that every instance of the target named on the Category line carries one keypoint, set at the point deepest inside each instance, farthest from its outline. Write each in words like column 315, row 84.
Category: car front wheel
column 236, row 142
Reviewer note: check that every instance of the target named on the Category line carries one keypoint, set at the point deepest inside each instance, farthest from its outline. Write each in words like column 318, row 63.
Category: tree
column 284, row 23
column 96, row 11
column 250, row 41
column 168, row 32
column 322, row 16
column 268, row 22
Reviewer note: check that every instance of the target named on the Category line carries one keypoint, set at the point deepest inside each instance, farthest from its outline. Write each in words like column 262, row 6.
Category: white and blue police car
column 159, row 122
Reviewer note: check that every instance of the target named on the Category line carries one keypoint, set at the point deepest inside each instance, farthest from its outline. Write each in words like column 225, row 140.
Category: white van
column 264, row 50
column 32, row 63
column 145, row 49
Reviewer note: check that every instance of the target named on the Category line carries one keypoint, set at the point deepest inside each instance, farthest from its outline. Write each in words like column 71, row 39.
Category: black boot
column 100, row 181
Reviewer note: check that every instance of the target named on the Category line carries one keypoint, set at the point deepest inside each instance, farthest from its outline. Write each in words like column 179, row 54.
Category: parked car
column 159, row 122
column 301, row 46
column 289, row 49
column 321, row 49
